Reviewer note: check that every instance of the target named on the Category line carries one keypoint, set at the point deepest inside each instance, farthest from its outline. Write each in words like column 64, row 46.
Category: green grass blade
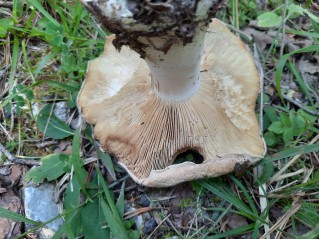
column 26, row 60
column 77, row 161
column 108, row 196
column 62, row 86
column 245, row 192
column 16, row 216
column 38, row 6
column 300, row 81
column 314, row 234
column 303, row 149
column 229, row 197
column 120, row 201
column 106, row 161
column 69, row 232
column 236, row 231
column 14, row 62
column 303, row 33
column 282, row 63
column 42, row 63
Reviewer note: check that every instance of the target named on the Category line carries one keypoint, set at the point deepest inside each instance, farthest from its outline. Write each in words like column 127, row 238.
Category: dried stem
column 13, row 159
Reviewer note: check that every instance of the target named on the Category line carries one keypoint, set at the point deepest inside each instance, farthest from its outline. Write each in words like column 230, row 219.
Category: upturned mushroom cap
column 146, row 133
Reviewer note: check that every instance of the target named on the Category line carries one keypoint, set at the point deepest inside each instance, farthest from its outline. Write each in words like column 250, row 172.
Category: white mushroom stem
column 170, row 38
column 176, row 74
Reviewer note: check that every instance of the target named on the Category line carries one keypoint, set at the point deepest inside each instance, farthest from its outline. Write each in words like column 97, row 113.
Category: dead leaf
column 9, row 228
column 64, row 147
column 309, row 70
column 265, row 37
column 16, row 172
column 235, row 221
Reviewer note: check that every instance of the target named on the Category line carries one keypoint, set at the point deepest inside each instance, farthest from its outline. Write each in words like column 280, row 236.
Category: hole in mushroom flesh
column 191, row 155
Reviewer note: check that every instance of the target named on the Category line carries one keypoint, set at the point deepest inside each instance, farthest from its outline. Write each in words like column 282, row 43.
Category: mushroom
column 172, row 80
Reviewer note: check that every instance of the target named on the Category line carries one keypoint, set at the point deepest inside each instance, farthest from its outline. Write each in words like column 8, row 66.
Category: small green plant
column 89, row 204
column 186, row 202
column 287, row 126
column 272, row 19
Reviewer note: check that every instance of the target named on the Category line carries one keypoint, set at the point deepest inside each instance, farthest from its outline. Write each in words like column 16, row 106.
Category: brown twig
column 301, row 106
column 139, row 211
column 281, row 222
column 13, row 159
column 304, row 108
column 46, row 144
column 291, row 162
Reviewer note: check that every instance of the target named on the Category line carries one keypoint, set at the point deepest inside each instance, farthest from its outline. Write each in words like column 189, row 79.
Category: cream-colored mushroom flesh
column 139, row 122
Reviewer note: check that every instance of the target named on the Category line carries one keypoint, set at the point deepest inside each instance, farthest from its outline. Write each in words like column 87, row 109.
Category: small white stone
column 40, row 206
column 36, row 108
column 76, row 122
column 138, row 220
column 62, row 111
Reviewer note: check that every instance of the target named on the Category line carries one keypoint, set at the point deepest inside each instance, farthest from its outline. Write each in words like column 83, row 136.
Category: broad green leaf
column 52, row 126
column 270, row 138
column 88, row 221
column 72, row 195
column 5, row 24
column 288, row 135
column 268, row 19
column 271, row 113
column 53, row 166
column 284, row 118
column 72, row 99
column 276, row 127
column 16, row 216
column 93, row 221
column 269, row 117
column 268, row 171
column 117, row 228
column 298, row 123
column 25, row 91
